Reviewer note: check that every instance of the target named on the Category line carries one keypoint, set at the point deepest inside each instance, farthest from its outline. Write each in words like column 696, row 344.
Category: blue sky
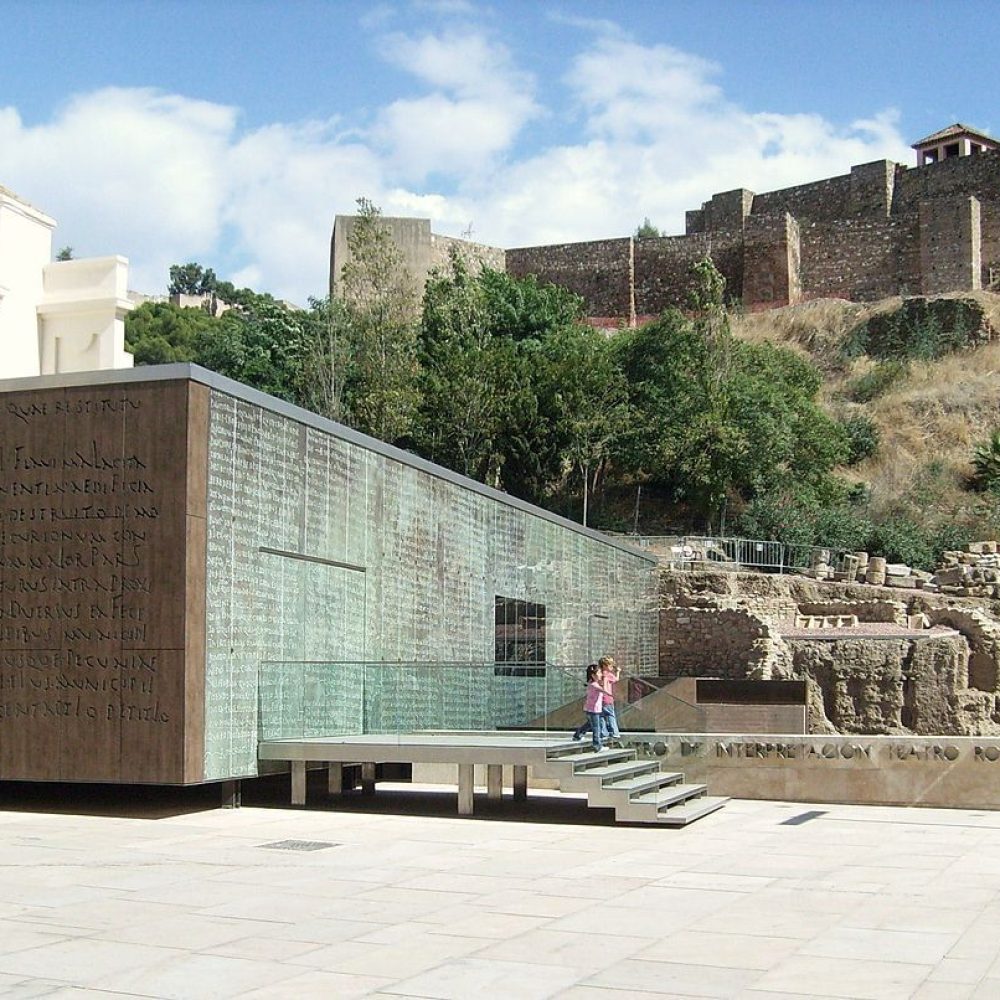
column 232, row 133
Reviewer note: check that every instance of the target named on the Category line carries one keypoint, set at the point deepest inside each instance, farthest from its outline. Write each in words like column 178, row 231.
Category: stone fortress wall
column 422, row 250
column 882, row 229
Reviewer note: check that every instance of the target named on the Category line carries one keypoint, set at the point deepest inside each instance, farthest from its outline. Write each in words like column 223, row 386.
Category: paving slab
column 401, row 898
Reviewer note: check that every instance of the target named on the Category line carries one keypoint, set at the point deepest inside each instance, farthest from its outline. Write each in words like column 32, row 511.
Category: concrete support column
column 520, row 782
column 298, row 782
column 230, row 794
column 465, row 788
column 335, row 778
column 494, row 782
column 368, row 778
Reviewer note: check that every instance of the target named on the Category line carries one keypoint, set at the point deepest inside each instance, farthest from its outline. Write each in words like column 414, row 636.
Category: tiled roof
column 953, row 131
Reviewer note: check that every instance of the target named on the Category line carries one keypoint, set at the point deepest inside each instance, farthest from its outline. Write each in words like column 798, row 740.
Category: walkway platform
column 637, row 789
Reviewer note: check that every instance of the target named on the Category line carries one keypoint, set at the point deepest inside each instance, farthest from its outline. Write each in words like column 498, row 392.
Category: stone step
column 618, row 769
column 637, row 790
column 649, row 807
column 691, row 810
column 646, row 782
column 666, row 797
column 594, row 778
column 620, row 793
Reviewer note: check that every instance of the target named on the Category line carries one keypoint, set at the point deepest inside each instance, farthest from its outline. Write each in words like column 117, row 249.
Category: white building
column 56, row 316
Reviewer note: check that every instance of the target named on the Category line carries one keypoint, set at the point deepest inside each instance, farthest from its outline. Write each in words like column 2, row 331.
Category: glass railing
column 301, row 700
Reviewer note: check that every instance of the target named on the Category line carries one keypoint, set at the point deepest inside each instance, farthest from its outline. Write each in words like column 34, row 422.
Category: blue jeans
column 587, row 727
column 611, row 721
column 596, row 728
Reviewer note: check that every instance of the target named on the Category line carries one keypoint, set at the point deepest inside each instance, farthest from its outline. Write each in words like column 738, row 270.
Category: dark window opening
column 974, row 147
column 951, row 149
column 930, row 156
column 519, row 638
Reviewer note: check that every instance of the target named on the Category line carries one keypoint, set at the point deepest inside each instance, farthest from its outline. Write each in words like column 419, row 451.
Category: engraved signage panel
column 93, row 504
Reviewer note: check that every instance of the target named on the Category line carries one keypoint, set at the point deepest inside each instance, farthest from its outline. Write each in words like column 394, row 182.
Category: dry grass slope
column 932, row 417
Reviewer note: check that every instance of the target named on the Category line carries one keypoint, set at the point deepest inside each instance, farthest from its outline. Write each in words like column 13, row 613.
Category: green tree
column 159, row 333
column 714, row 420
column 586, row 400
column 379, row 393
column 468, row 376
column 262, row 347
column 65, row 253
column 325, row 342
column 646, row 230
column 515, row 389
column 191, row 279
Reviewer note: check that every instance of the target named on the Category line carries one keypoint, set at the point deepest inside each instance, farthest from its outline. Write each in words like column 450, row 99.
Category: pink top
column 594, row 700
column 609, row 682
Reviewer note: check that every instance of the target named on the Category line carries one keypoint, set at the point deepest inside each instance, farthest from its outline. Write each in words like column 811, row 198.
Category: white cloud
column 130, row 171
column 165, row 178
column 659, row 136
column 479, row 104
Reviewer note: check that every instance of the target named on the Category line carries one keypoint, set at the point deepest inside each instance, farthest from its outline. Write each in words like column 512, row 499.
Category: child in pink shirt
column 593, row 703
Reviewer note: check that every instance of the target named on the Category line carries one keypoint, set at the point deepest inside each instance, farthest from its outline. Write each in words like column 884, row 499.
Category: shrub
column 920, row 328
column 900, row 539
column 986, row 463
column 878, row 381
column 863, row 437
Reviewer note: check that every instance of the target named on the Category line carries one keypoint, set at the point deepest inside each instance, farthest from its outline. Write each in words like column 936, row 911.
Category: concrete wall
column 62, row 316
column 82, row 315
column 186, row 563
column 25, row 248
column 940, row 771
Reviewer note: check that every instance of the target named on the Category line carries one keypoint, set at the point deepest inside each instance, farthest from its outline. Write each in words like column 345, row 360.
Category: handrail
column 733, row 552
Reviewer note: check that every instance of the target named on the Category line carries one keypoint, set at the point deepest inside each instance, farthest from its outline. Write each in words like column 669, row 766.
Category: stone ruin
column 972, row 573
column 875, row 662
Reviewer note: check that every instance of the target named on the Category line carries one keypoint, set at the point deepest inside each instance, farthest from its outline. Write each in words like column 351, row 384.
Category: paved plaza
column 398, row 897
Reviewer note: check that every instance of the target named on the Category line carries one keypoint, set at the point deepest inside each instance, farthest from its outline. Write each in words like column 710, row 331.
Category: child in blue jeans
column 593, row 703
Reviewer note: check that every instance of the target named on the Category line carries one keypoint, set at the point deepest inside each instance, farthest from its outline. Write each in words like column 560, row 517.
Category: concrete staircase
column 637, row 790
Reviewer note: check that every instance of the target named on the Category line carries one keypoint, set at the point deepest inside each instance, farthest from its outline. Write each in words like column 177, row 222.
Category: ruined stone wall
column 753, row 593
column 952, row 179
column 950, row 244
column 866, row 611
column 877, row 231
column 422, row 251
column 772, row 260
column 732, row 625
column 600, row 272
column 885, row 686
column 818, row 201
column 728, row 643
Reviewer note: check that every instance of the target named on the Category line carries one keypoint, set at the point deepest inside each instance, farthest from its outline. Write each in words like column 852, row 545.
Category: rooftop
column 954, row 131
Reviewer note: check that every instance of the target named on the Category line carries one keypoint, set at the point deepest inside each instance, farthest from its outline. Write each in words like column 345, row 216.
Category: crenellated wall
column 880, row 230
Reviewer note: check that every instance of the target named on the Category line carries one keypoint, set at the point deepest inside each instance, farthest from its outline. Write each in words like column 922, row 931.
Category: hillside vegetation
column 929, row 400
column 829, row 423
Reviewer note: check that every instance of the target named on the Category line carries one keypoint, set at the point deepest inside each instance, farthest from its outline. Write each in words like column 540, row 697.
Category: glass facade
column 326, row 549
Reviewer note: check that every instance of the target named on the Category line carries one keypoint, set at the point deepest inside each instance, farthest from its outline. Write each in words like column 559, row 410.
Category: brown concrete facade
column 102, row 583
